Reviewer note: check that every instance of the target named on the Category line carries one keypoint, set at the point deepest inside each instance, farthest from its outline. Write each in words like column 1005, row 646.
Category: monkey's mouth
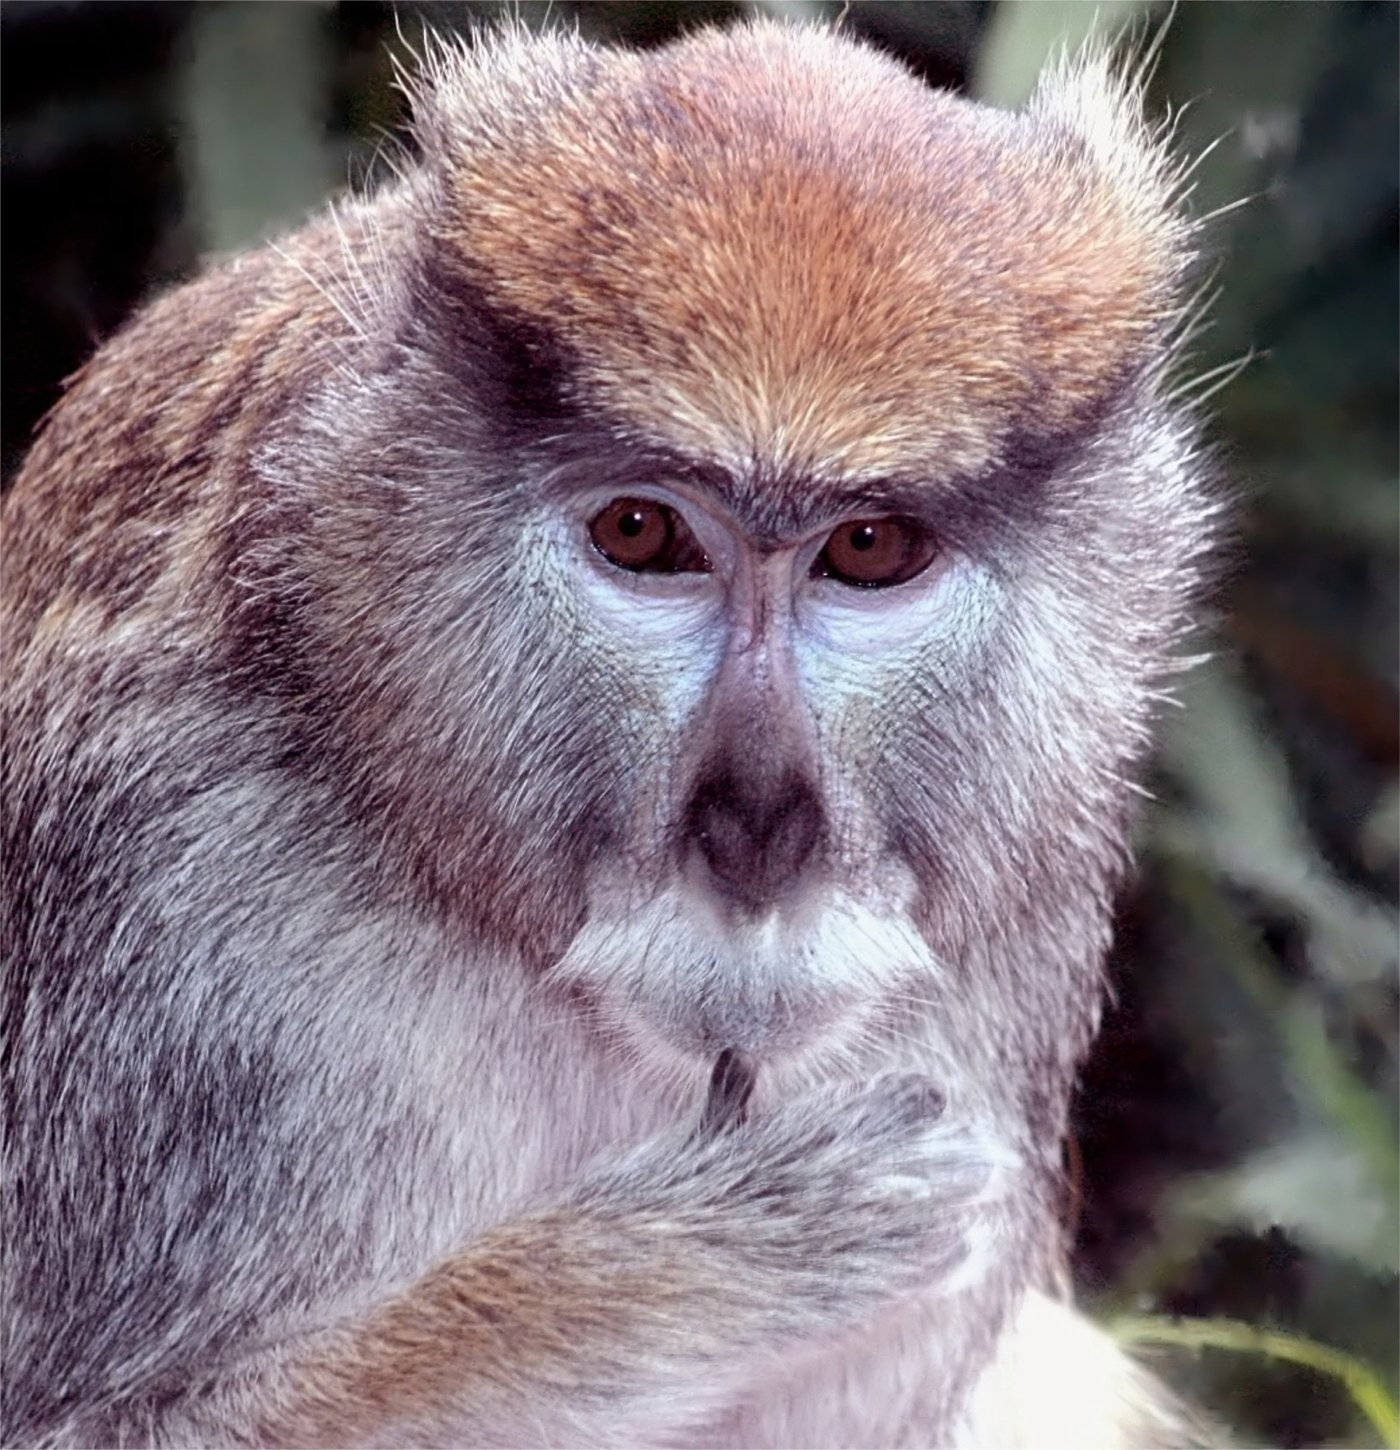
column 671, row 979
column 802, row 1032
column 768, row 1026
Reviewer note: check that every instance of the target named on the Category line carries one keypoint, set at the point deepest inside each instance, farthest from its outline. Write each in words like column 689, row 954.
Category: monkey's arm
column 650, row 1296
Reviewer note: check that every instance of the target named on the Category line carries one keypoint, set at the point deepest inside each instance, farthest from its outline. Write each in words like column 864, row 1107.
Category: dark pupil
column 862, row 537
column 631, row 524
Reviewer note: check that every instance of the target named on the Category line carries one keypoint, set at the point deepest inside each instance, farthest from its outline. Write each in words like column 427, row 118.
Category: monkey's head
column 753, row 522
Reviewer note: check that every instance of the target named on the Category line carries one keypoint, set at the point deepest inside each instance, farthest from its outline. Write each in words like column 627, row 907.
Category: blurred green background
column 1236, row 1154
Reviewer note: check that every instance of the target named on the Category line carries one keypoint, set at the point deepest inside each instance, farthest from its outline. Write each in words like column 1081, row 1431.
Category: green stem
column 1365, row 1386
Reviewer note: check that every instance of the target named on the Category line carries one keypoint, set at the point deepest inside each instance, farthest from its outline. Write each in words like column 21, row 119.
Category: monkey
column 569, row 736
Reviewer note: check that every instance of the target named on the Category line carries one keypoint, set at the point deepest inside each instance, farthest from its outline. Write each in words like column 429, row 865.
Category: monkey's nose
column 755, row 842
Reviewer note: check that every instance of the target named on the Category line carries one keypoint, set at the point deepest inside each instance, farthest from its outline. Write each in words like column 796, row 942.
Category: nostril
column 793, row 832
column 722, row 831
column 755, row 843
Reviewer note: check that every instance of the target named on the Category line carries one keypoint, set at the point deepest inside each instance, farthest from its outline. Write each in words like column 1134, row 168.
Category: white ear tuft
column 1096, row 101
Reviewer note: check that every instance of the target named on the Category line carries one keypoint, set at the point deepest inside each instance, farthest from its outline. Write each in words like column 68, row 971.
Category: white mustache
column 673, row 967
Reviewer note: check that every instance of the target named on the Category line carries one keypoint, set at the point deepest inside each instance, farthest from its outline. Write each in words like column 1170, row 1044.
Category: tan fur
column 797, row 273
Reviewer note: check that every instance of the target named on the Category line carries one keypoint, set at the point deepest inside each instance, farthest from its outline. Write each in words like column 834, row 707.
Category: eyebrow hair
column 775, row 506
column 1013, row 487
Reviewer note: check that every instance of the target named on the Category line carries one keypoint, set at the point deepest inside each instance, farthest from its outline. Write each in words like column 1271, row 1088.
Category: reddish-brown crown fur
column 769, row 244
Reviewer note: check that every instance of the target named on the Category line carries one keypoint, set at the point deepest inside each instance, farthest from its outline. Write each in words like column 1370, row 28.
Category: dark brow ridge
column 595, row 448
column 776, row 507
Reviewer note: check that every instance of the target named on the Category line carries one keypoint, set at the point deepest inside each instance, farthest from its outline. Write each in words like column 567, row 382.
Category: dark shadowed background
column 1235, row 1171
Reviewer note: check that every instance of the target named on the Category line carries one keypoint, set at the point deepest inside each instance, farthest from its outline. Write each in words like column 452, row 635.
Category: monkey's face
column 853, row 751
column 762, row 677
column 786, row 535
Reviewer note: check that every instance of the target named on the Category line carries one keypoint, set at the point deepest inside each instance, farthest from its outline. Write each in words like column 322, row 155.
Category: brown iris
column 875, row 553
column 645, row 536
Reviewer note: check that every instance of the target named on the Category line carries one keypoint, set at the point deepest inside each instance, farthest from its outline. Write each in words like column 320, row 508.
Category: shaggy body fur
column 358, row 1005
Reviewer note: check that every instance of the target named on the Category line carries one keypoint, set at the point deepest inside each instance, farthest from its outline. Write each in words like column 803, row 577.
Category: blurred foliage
column 1236, row 1144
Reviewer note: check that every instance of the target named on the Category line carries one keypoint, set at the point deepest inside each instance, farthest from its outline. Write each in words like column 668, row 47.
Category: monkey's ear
column 1095, row 101
column 493, row 88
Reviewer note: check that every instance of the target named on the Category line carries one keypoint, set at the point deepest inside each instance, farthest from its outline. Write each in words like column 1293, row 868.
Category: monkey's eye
column 645, row 536
column 875, row 553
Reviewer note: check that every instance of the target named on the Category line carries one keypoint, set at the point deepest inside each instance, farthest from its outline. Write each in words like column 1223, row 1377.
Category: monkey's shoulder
column 148, row 448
